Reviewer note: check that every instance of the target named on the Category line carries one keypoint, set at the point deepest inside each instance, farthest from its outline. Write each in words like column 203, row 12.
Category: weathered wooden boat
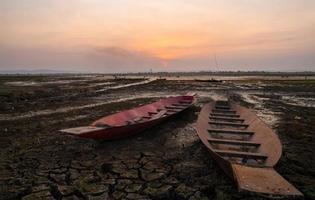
column 244, row 147
column 212, row 80
column 130, row 122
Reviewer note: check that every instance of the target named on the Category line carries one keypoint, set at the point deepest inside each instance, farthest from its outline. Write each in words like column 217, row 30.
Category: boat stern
column 265, row 181
column 82, row 130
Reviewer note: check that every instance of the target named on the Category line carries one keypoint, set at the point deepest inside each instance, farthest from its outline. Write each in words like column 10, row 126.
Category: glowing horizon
column 128, row 35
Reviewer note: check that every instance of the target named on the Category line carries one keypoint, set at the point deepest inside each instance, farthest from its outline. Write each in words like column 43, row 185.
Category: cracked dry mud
column 165, row 162
column 142, row 167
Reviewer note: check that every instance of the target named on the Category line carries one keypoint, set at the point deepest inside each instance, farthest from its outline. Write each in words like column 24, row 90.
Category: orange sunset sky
column 163, row 35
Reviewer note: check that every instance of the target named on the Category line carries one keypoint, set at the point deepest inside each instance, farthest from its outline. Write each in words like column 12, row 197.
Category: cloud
column 117, row 59
column 123, row 52
column 115, row 51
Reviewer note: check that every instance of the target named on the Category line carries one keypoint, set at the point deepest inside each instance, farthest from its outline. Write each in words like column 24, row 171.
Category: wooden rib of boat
column 130, row 122
column 244, row 147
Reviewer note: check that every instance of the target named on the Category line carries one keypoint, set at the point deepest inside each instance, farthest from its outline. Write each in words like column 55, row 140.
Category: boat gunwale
column 140, row 124
column 207, row 108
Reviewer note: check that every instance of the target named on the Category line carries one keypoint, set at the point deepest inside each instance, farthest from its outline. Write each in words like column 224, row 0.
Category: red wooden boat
column 130, row 122
column 244, row 147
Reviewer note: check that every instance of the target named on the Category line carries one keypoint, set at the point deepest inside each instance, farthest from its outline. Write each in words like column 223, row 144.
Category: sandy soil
column 165, row 162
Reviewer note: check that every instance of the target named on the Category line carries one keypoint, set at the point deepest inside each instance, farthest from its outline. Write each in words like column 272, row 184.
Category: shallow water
column 298, row 101
column 126, row 85
column 219, row 77
column 41, row 83
column 9, row 117
column 267, row 115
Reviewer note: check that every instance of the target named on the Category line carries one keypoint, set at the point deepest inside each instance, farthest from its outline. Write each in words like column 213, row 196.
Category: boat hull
column 131, row 122
column 244, row 147
column 120, row 132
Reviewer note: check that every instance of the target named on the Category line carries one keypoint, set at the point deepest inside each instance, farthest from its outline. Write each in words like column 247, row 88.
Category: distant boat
column 161, row 79
column 208, row 80
column 130, row 122
column 244, row 147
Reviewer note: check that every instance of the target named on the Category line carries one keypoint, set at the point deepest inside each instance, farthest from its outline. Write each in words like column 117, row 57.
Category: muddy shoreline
column 165, row 162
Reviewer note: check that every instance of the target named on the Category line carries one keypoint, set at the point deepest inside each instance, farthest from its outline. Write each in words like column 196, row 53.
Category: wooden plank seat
column 224, row 115
column 227, row 119
column 233, row 142
column 136, row 120
column 185, row 102
column 223, row 107
column 159, row 114
column 156, row 114
column 171, row 111
column 173, row 107
column 228, row 123
column 222, row 102
column 167, row 114
column 152, row 113
column 223, row 111
column 230, row 131
column 241, row 154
